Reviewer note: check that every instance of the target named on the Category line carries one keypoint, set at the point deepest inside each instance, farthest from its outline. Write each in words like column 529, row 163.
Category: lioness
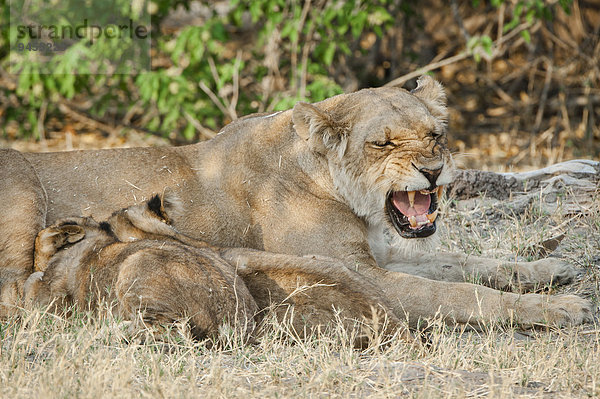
column 136, row 260
column 355, row 177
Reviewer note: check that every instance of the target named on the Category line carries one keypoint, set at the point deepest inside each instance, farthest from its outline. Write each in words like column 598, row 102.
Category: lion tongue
column 420, row 206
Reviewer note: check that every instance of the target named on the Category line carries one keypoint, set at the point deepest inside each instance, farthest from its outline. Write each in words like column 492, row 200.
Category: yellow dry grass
column 85, row 355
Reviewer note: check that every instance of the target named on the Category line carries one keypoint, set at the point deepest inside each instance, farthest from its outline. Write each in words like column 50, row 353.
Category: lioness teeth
column 413, row 221
column 411, row 198
column 440, row 191
column 432, row 216
column 421, row 220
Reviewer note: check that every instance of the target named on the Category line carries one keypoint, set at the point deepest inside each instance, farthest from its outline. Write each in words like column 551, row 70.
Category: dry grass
column 44, row 355
column 48, row 356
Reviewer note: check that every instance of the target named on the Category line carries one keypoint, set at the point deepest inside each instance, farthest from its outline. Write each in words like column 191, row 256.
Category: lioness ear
column 171, row 204
column 432, row 93
column 308, row 120
column 318, row 128
column 156, row 207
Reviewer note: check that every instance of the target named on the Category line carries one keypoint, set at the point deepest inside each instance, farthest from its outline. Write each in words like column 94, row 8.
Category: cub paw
column 34, row 290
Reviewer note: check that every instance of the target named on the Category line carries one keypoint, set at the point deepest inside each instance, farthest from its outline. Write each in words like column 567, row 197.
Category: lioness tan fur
column 139, row 261
column 333, row 179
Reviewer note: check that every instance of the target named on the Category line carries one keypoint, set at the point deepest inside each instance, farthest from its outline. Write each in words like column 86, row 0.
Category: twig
column 294, row 53
column 305, row 52
column 213, row 97
column 132, row 185
column 590, row 332
column 136, row 108
column 496, row 45
column 236, row 83
column 40, row 121
column 535, row 142
column 589, row 109
column 213, row 70
column 81, row 117
column 500, row 30
column 564, row 112
column 570, row 45
column 225, row 108
column 543, row 97
column 273, row 102
column 501, row 93
column 199, row 127
column 459, row 20
column 450, row 60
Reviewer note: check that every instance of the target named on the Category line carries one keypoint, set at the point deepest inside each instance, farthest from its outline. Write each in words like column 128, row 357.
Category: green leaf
column 236, row 15
column 526, row 35
column 511, row 25
column 218, row 31
column 329, row 53
column 189, row 132
column 518, row 9
column 170, row 119
column 329, row 15
column 566, row 6
column 472, row 42
column 255, row 10
column 358, row 23
column 24, row 80
column 380, row 16
column 344, row 48
column 288, row 28
column 342, row 29
column 529, row 16
column 486, row 44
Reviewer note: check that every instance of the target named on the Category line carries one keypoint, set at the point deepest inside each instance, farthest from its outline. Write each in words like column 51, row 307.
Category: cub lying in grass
column 138, row 260
column 79, row 261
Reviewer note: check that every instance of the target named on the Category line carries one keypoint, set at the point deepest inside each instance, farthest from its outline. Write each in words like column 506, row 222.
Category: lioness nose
column 431, row 175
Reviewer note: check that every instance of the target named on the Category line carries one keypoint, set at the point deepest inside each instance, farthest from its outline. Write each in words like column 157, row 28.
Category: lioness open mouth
column 413, row 213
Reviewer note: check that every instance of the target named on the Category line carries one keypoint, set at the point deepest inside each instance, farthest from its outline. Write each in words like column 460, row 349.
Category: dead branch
column 497, row 51
column 569, row 186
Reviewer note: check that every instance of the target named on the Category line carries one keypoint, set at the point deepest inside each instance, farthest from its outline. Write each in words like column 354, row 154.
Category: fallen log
column 569, row 187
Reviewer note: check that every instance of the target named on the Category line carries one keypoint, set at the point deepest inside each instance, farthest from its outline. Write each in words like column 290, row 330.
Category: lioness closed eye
column 355, row 178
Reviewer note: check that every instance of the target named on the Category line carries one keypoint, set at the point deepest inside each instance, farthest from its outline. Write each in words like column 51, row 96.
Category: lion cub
column 139, row 260
column 80, row 261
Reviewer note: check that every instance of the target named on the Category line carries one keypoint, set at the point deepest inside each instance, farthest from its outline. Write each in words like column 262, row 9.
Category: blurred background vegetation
column 522, row 75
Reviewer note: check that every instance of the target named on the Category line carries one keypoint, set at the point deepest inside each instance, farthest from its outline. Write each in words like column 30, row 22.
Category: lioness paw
column 555, row 271
column 531, row 276
column 557, row 311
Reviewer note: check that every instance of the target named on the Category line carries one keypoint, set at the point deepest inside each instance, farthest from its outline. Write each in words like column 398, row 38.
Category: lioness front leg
column 318, row 286
column 499, row 274
column 467, row 303
column 414, row 298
